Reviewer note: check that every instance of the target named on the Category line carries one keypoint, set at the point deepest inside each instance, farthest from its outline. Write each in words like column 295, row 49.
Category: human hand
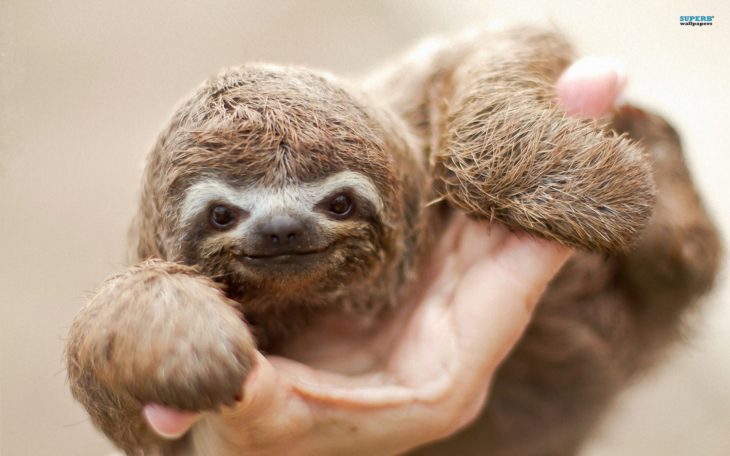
column 424, row 374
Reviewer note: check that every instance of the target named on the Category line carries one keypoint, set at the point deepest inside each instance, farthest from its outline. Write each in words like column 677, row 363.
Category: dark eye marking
column 222, row 217
column 340, row 205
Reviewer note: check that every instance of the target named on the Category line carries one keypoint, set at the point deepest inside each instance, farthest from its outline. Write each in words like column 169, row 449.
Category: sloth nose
column 283, row 229
column 282, row 234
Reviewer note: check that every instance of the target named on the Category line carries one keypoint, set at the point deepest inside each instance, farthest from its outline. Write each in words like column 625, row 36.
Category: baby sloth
column 281, row 195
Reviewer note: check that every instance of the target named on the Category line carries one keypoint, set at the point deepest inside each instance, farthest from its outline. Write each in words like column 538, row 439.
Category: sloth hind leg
column 678, row 256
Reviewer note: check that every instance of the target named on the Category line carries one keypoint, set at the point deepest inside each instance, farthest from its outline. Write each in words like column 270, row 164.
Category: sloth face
column 282, row 181
column 285, row 235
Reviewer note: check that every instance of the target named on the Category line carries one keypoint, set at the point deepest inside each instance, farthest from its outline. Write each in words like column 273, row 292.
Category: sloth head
column 271, row 177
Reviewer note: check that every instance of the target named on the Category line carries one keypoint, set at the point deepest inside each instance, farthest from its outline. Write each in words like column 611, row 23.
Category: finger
column 262, row 392
column 167, row 422
column 496, row 297
column 290, row 408
column 269, row 409
column 589, row 87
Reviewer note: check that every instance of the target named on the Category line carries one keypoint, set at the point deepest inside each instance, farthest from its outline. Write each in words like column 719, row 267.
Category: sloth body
column 285, row 195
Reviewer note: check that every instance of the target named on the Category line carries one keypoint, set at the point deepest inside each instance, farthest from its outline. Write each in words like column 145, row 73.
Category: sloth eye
column 340, row 206
column 222, row 218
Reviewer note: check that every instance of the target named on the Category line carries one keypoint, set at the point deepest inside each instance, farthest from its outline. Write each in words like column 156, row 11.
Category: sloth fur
column 468, row 124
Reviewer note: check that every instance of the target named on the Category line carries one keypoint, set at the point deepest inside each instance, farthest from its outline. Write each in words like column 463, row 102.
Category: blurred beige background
column 85, row 87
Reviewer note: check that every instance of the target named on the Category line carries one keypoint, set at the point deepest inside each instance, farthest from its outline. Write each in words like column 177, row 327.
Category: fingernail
column 168, row 423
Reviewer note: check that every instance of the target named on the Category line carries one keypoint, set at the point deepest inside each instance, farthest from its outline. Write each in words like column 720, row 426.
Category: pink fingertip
column 168, row 423
column 591, row 86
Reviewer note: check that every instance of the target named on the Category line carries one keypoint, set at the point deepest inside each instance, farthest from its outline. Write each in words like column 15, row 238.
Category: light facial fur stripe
column 199, row 195
column 260, row 201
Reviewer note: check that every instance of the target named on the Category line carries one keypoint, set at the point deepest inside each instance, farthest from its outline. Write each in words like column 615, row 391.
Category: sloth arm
column 510, row 75
column 500, row 147
column 157, row 332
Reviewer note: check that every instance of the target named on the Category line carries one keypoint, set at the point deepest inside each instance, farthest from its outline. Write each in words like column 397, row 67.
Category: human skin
column 426, row 373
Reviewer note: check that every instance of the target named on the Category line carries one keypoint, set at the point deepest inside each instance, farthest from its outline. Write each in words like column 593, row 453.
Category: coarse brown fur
column 468, row 123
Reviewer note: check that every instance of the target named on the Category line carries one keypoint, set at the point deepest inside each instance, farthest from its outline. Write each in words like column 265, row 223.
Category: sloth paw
column 170, row 337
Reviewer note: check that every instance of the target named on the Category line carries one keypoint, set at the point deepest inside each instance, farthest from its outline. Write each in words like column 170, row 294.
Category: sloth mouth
column 286, row 258
column 297, row 253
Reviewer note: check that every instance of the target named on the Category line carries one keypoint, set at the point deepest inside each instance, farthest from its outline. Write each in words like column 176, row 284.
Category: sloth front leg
column 161, row 333
column 504, row 150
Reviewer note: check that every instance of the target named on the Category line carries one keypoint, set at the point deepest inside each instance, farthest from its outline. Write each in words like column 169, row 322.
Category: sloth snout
column 283, row 235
